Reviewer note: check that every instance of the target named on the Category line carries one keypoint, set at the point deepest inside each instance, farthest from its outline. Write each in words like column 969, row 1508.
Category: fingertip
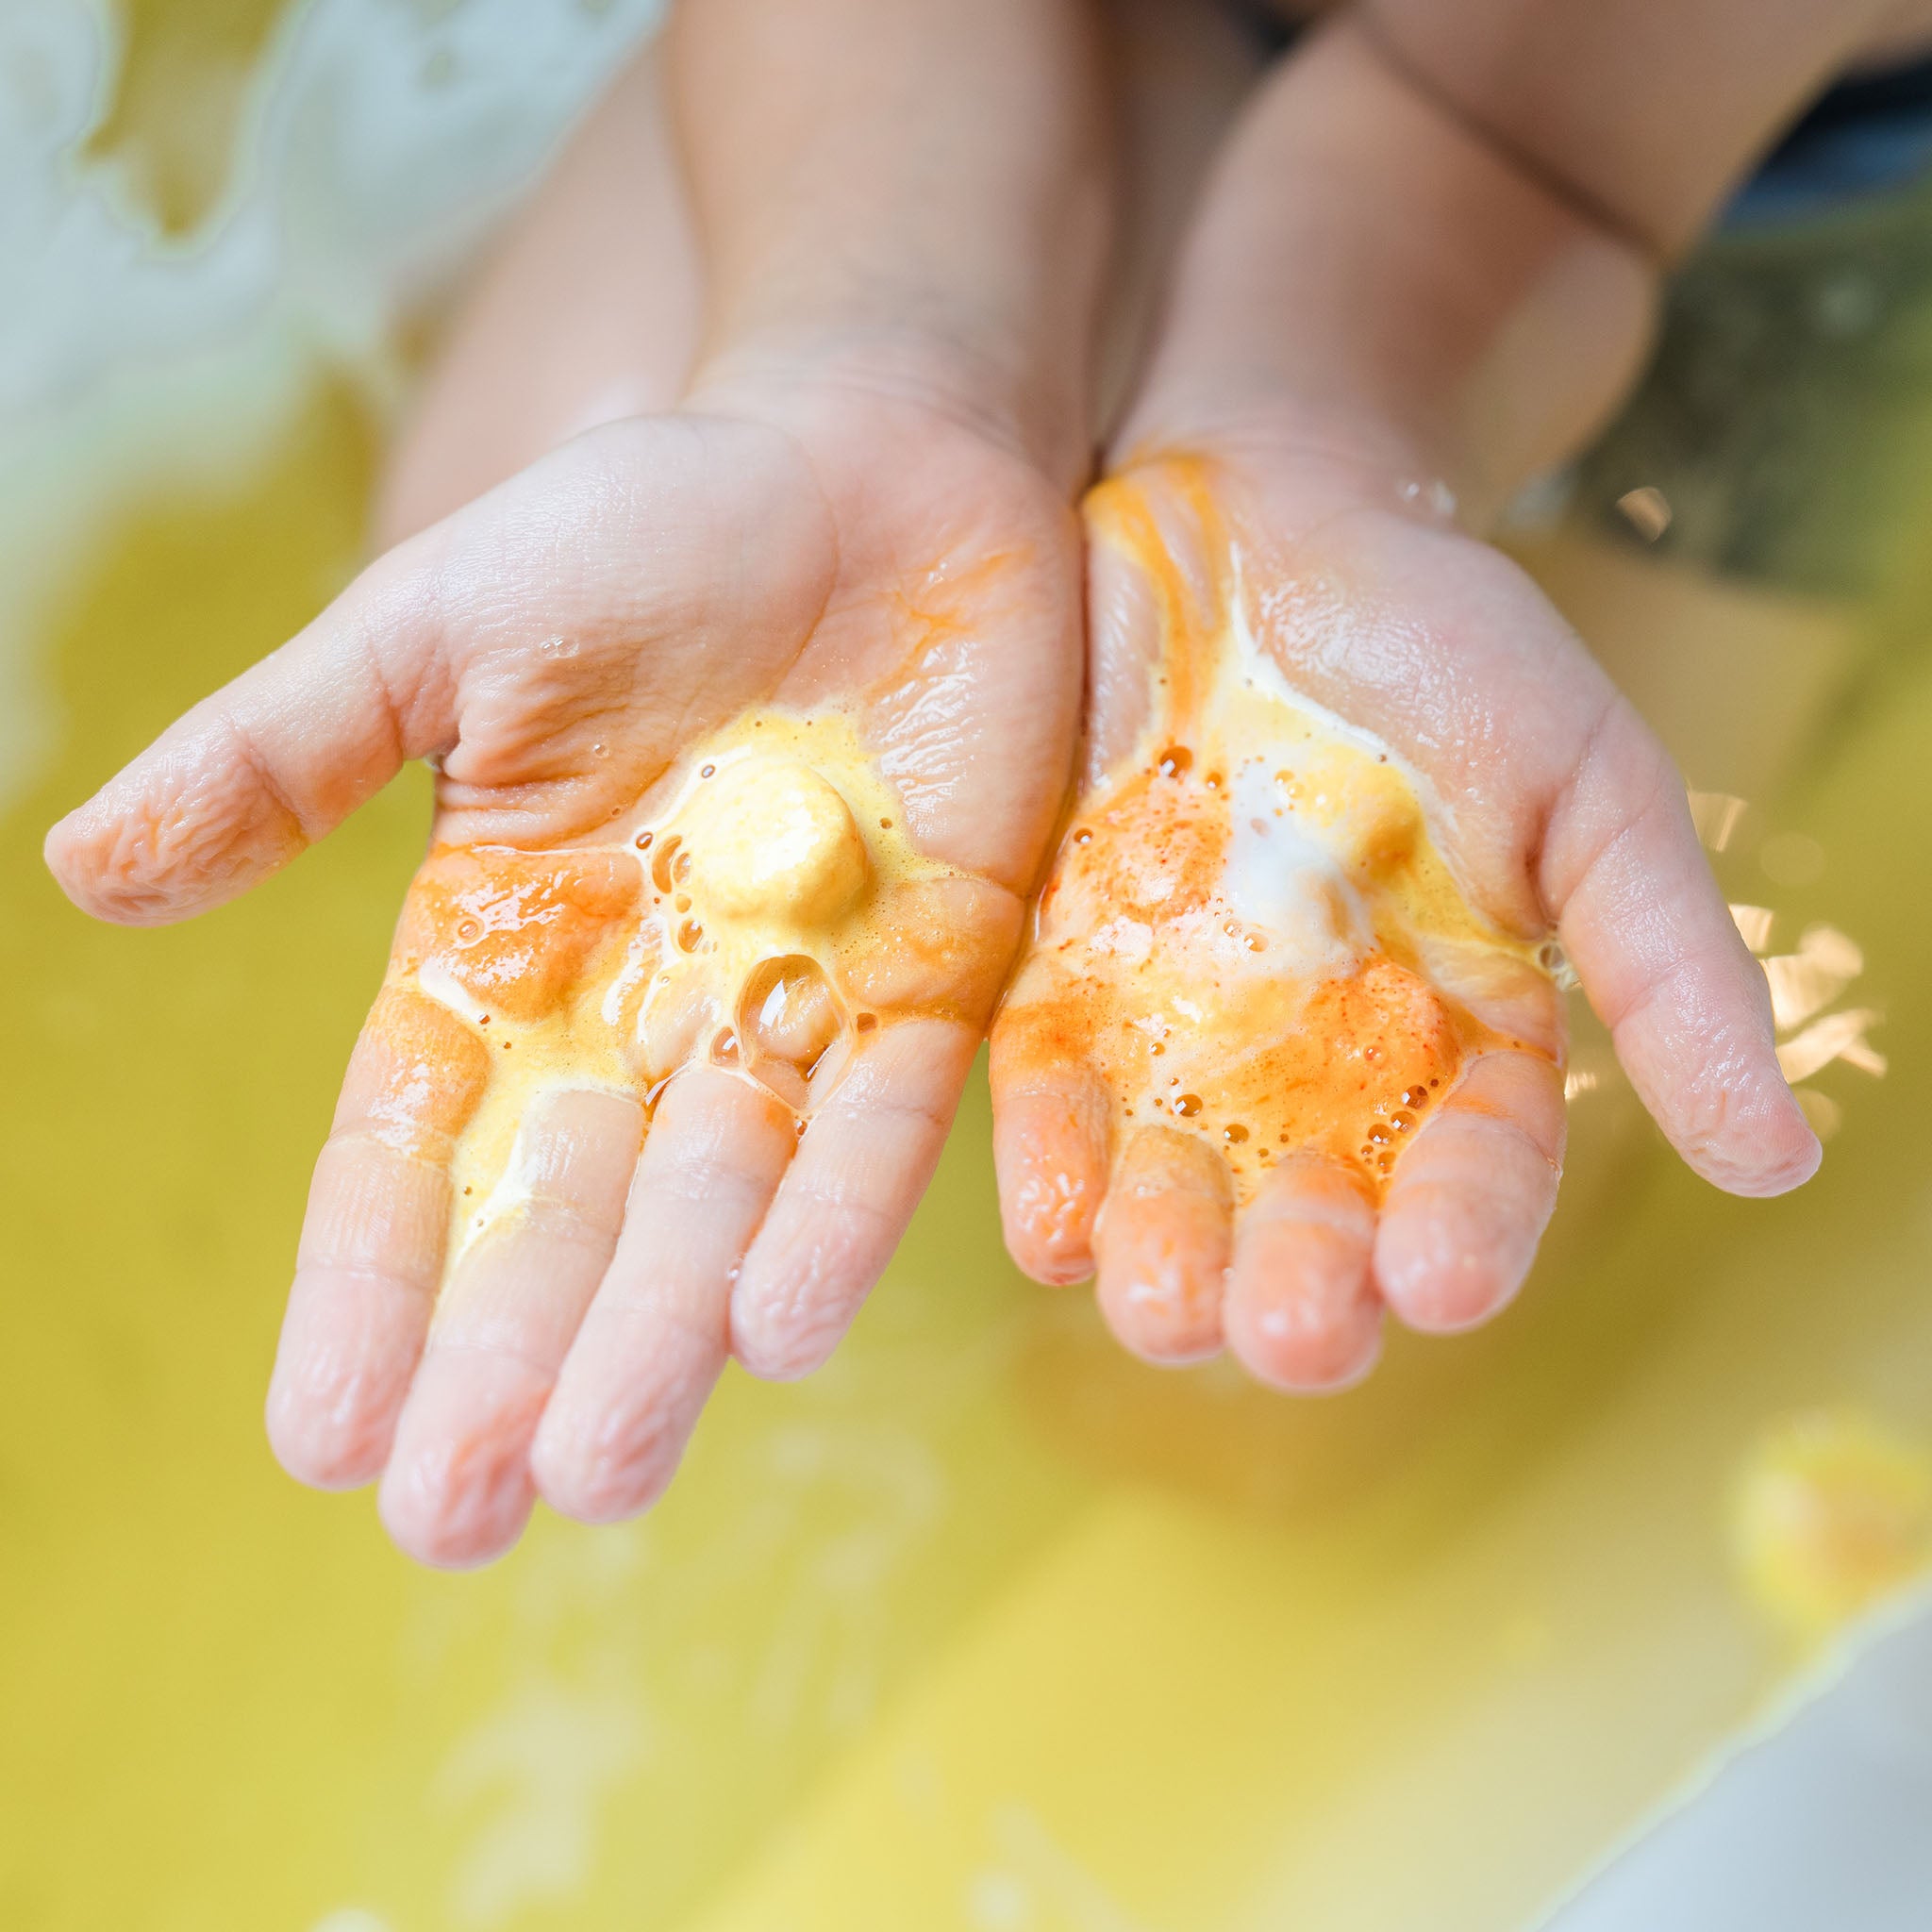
column 787, row 1320
column 77, row 851
column 610, row 1471
column 1301, row 1313
column 1162, row 1244
column 615, row 1430
column 454, row 1501
column 322, row 1451
column 1452, row 1259
column 1469, row 1202
column 1757, row 1154
column 1286, row 1347
column 339, row 1379
column 1050, row 1160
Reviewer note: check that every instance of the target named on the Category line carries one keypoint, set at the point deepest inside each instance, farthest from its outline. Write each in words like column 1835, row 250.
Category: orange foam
column 1238, row 930
column 614, row 965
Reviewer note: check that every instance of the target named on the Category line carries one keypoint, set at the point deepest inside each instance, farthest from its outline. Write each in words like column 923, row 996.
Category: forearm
column 1409, row 266
column 909, row 194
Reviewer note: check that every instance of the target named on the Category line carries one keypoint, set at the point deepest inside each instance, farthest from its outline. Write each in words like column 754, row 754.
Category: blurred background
column 984, row 1626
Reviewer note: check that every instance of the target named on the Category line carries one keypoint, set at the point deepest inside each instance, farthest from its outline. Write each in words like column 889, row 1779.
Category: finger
column 1300, row 1311
column 626, row 536
column 1050, row 1149
column 372, row 1242
column 860, row 1171
column 1162, row 1247
column 655, row 1340
column 1471, row 1197
column 254, row 775
column 1665, row 967
column 457, row 1487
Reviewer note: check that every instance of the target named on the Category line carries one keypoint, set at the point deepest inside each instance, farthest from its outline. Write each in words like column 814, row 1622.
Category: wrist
column 794, row 369
column 1371, row 277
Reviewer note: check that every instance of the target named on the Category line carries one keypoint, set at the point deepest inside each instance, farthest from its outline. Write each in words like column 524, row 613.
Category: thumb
column 275, row 760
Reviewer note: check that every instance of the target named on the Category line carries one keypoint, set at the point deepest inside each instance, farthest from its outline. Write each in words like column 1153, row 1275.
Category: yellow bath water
column 986, row 1626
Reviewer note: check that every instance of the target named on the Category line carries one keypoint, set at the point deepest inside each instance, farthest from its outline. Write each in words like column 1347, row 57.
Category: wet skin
column 556, row 647
column 567, row 643
column 1419, row 1098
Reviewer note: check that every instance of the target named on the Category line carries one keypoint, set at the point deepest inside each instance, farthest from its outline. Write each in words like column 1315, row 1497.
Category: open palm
column 1559, row 814
column 557, row 648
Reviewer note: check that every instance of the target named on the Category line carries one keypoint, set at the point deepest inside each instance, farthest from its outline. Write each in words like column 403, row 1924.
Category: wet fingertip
column 332, row 1413
column 613, row 1460
column 1164, row 1309
column 780, row 1343
column 1758, row 1145
column 1153, row 1335
column 1765, row 1173
column 1055, row 1258
column 1056, row 1271
column 1444, row 1266
column 78, row 870
column 594, row 1487
column 1327, row 1358
column 453, row 1509
column 325, row 1452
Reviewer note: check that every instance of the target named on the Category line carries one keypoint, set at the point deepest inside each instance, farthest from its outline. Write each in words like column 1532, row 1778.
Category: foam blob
column 1248, row 933
column 762, row 911
column 773, row 839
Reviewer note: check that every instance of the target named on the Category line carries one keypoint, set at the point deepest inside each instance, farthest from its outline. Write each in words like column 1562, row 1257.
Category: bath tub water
column 986, row 1626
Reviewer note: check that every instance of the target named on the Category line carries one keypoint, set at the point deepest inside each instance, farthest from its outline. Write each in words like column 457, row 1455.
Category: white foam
column 377, row 144
column 1281, row 878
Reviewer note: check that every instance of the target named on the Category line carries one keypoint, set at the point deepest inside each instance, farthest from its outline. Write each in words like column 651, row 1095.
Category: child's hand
column 555, row 647
column 1394, row 1184
column 1414, row 259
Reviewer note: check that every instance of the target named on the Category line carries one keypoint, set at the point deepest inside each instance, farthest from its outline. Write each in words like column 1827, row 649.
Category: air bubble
column 708, row 770
column 644, row 841
column 468, row 931
column 1174, row 761
column 1187, row 1105
column 1555, row 963
column 660, row 866
column 786, row 1012
column 1415, row 1096
column 689, row 933
column 1234, row 1133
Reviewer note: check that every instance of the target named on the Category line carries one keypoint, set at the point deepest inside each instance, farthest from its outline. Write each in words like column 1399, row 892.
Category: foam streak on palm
column 556, row 647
